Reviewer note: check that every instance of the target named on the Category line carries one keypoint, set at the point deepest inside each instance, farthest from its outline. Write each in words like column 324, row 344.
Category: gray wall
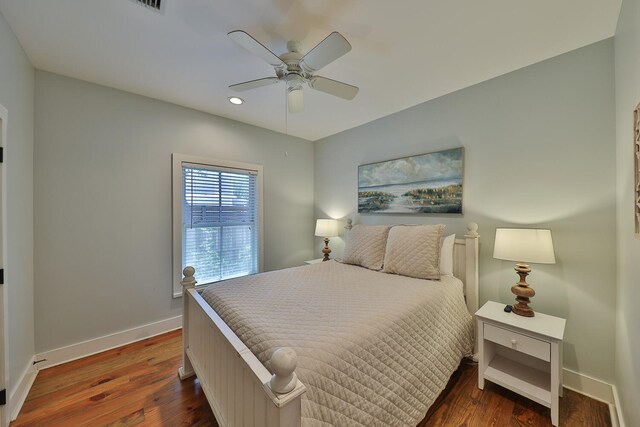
column 16, row 95
column 627, row 64
column 103, row 203
column 539, row 152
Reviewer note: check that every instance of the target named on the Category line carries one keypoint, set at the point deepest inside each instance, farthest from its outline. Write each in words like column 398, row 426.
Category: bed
column 329, row 343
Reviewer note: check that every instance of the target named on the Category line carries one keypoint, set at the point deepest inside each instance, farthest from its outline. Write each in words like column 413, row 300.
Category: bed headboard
column 465, row 263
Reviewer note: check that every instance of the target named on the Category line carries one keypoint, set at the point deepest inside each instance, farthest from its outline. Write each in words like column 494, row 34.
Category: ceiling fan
column 296, row 68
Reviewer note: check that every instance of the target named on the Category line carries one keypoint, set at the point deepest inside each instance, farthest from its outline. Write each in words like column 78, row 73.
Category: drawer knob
column 514, row 343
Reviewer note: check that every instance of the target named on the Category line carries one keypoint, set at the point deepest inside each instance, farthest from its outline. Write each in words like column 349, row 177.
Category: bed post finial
column 349, row 225
column 283, row 364
column 472, row 230
column 188, row 281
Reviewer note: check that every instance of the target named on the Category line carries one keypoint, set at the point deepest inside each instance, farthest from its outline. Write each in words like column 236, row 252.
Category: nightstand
column 314, row 261
column 523, row 354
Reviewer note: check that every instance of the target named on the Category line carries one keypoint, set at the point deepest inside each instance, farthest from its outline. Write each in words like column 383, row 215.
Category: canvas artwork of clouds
column 429, row 183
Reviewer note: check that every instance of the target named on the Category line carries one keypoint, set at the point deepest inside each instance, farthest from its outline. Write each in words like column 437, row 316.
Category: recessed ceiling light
column 235, row 100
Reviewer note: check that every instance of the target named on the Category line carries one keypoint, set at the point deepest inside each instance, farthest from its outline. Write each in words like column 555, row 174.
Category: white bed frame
column 240, row 390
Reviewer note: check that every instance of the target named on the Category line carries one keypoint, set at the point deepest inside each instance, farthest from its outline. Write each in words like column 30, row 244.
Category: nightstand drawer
column 522, row 343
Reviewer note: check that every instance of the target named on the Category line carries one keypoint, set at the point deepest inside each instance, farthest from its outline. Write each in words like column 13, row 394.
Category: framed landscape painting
column 429, row 183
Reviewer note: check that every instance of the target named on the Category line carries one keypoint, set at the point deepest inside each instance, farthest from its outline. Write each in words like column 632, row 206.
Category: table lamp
column 524, row 245
column 326, row 228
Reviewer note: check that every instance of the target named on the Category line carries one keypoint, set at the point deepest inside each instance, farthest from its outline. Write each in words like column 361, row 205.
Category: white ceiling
column 404, row 52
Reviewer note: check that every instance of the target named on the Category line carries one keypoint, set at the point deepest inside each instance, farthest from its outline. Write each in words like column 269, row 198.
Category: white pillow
column 446, row 255
column 414, row 251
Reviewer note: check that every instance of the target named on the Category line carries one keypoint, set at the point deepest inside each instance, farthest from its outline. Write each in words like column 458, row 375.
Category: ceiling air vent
column 157, row 5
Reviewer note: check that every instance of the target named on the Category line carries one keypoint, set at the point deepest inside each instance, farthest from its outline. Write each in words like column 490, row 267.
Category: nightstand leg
column 482, row 360
column 555, row 382
column 561, row 362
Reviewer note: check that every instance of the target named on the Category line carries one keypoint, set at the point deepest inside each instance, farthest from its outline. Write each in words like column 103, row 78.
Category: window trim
column 178, row 160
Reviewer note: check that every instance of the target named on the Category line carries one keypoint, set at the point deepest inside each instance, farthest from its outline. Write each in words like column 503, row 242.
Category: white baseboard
column 617, row 419
column 596, row 389
column 18, row 395
column 588, row 386
column 98, row 345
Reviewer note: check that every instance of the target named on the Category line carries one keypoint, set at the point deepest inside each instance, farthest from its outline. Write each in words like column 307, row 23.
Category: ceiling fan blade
column 325, row 52
column 252, row 84
column 254, row 46
column 333, row 87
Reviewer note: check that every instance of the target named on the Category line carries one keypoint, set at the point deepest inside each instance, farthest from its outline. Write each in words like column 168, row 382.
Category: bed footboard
column 240, row 390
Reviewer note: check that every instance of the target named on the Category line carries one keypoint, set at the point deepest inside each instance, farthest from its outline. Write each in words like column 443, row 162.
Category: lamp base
column 326, row 251
column 523, row 292
column 522, row 308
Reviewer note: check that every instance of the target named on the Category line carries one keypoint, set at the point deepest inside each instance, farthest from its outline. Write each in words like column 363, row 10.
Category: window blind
column 219, row 222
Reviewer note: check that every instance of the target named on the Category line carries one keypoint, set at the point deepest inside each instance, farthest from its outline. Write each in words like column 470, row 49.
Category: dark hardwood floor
column 138, row 385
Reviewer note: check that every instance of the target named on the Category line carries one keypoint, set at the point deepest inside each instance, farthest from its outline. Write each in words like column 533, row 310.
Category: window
column 216, row 218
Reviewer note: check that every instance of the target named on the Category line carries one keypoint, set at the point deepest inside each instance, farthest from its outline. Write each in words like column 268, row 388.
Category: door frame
column 4, row 324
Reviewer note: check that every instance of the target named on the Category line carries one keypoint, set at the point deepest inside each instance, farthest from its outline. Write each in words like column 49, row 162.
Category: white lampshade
column 524, row 245
column 326, row 228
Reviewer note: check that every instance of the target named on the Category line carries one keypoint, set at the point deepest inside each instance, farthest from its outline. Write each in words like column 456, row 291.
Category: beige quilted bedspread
column 374, row 349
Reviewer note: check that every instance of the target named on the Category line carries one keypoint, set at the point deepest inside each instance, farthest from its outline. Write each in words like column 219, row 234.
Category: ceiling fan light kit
column 295, row 100
column 297, row 69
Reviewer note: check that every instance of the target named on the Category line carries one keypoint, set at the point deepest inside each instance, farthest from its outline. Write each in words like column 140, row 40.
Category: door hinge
column 3, row 397
column 1, row 154
column 1, row 276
